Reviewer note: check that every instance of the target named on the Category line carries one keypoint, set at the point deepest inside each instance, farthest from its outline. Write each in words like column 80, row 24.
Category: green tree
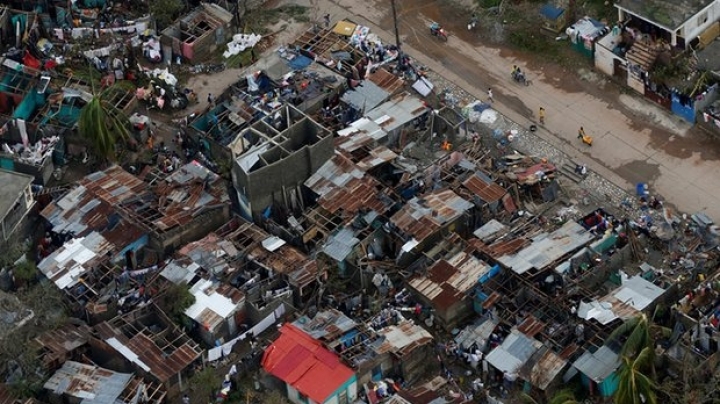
column 25, row 271
column 166, row 11
column 634, row 387
column 102, row 125
column 640, row 332
column 565, row 396
column 204, row 382
column 175, row 300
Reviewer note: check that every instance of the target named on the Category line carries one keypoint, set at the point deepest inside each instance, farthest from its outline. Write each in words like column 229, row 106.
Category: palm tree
column 565, row 396
column 640, row 333
column 103, row 125
column 634, row 386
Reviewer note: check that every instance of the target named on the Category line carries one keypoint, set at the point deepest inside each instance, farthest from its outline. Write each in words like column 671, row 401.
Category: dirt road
column 634, row 140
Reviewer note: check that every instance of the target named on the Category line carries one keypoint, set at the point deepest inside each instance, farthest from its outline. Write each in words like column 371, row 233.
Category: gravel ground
column 600, row 191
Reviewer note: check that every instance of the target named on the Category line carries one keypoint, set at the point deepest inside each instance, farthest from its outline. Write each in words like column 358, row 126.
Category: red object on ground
column 302, row 362
column 30, row 61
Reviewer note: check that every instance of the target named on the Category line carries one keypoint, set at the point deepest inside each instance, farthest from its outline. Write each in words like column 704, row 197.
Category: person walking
column 186, row 399
column 541, row 115
column 326, row 20
column 490, row 95
column 211, row 100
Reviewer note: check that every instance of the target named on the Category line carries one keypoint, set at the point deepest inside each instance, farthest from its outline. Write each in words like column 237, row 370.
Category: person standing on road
column 186, row 399
column 326, row 19
column 490, row 95
column 541, row 115
column 211, row 100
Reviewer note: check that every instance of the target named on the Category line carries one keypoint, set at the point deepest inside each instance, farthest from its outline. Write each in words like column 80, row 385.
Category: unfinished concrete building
column 149, row 344
column 198, row 34
column 279, row 154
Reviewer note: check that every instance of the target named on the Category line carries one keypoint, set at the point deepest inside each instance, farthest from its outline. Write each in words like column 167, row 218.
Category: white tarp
column 241, row 42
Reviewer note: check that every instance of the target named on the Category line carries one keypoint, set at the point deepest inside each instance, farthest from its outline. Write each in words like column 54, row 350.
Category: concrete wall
column 604, row 57
column 701, row 21
column 195, row 230
column 289, row 166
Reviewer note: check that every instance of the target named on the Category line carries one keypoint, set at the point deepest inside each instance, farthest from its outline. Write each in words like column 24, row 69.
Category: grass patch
column 241, row 59
column 260, row 19
column 538, row 45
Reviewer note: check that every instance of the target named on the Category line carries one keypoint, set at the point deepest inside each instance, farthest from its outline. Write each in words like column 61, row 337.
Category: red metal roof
column 302, row 362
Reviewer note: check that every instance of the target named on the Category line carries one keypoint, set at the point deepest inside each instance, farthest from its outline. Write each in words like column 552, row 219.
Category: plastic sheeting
column 240, row 43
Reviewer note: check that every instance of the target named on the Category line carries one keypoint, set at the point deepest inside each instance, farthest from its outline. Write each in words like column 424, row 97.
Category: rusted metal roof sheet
column 162, row 365
column 181, row 351
column 64, row 340
column 448, row 282
column 88, row 382
column 542, row 368
column 531, row 326
column 385, row 80
column 403, row 338
column 376, row 157
column 424, row 215
column 488, row 192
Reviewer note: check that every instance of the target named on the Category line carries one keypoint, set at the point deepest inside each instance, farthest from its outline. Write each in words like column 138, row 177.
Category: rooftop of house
column 116, row 202
column 58, row 343
column 14, row 184
column 89, row 383
column 303, row 363
column 633, row 296
column 149, row 340
column 669, row 14
column 343, row 187
column 542, row 250
column 402, row 338
column 270, row 252
column 214, row 301
column 450, row 279
column 326, row 325
column 424, row 215
column 397, row 112
column 69, row 263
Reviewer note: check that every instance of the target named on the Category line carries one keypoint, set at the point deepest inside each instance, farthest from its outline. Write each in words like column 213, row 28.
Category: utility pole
column 397, row 34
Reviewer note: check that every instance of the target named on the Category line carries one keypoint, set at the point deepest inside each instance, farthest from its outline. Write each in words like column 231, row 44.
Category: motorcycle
column 438, row 32
column 519, row 77
column 472, row 23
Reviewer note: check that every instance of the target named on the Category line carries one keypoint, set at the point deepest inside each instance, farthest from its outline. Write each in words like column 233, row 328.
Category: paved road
column 634, row 140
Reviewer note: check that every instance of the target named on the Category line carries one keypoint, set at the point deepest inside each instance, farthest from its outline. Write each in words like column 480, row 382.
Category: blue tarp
column 299, row 62
column 551, row 12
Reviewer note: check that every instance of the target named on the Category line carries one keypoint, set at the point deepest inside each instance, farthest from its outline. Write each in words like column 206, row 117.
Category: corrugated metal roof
column 66, row 265
column 638, row 292
column 376, row 157
column 476, row 334
column 448, row 282
column 513, row 352
column 490, row 230
column 363, row 132
column 365, row 97
column 422, row 216
column 303, row 363
column 209, row 300
column 598, row 365
column 328, row 324
column 547, row 248
column 385, row 80
column 488, row 192
column 542, row 368
column 92, row 384
column 403, row 338
column 179, row 352
column 340, row 244
column 398, row 111
column 64, row 340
